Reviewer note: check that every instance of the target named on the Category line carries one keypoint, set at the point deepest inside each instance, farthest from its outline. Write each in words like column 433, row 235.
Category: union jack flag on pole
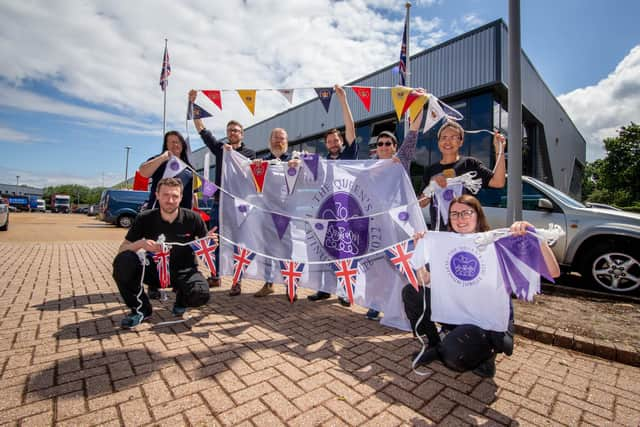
column 292, row 273
column 402, row 65
column 205, row 249
column 400, row 256
column 242, row 257
column 162, row 263
column 166, row 69
column 346, row 274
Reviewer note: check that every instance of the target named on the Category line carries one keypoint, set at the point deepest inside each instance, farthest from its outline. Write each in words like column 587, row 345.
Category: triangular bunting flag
column 242, row 209
column 400, row 256
column 292, row 273
column 319, row 227
column 434, row 114
column 248, row 96
column 411, row 96
column 140, row 183
column 208, row 189
column 287, row 93
column 173, row 167
column 205, row 249
column 197, row 182
column 364, row 93
column 162, row 263
column 194, row 111
column 417, row 105
column 291, row 175
column 215, row 96
column 444, row 196
column 347, row 275
column 311, row 160
column 400, row 215
column 259, row 171
column 242, row 257
column 399, row 96
column 451, row 112
column 281, row 222
column 325, row 94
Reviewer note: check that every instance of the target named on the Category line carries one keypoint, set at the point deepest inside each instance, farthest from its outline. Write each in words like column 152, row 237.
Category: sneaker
column 178, row 311
column 372, row 314
column 214, row 282
column 344, row 302
column 133, row 320
column 267, row 289
column 153, row 293
column 487, row 369
column 319, row 296
column 235, row 290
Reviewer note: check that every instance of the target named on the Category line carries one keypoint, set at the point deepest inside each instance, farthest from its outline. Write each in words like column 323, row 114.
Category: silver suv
column 603, row 245
column 4, row 215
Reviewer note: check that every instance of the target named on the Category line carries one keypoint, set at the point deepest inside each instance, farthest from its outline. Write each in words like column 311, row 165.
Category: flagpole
column 164, row 109
column 407, row 66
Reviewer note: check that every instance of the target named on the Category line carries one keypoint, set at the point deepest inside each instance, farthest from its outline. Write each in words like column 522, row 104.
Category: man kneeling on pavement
column 176, row 224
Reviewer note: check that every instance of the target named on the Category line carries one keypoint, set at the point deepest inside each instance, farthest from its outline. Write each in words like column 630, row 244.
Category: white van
column 41, row 206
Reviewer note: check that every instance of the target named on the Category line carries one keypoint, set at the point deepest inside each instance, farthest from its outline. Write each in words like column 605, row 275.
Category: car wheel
column 615, row 269
column 5, row 227
column 125, row 221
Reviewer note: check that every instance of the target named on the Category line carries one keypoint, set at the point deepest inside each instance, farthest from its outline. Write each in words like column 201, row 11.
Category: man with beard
column 176, row 224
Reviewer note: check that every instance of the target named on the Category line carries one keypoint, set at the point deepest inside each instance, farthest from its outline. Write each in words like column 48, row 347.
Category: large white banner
column 318, row 213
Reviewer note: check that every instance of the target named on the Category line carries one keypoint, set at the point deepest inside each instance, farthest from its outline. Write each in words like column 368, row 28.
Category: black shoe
column 429, row 355
column 344, row 302
column 154, row 293
column 318, row 296
column 487, row 369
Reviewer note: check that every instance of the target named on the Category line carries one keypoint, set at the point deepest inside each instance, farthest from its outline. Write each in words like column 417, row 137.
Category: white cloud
column 600, row 110
column 12, row 135
column 105, row 55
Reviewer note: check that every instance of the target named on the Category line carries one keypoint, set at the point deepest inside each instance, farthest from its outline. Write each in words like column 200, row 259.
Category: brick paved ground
column 248, row 361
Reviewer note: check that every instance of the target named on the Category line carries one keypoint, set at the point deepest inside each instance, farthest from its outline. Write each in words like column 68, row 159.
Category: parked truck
column 60, row 203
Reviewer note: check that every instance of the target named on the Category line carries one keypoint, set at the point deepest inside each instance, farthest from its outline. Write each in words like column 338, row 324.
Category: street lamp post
column 17, row 180
column 126, row 168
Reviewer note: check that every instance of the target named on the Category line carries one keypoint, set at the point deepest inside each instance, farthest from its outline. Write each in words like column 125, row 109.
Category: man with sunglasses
column 235, row 136
column 452, row 164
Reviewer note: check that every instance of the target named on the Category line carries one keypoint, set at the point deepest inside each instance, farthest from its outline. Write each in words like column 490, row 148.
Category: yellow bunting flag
column 196, row 182
column 249, row 98
column 418, row 104
column 399, row 96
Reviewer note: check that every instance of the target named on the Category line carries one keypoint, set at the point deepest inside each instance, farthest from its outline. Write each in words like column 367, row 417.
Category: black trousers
column 414, row 307
column 192, row 289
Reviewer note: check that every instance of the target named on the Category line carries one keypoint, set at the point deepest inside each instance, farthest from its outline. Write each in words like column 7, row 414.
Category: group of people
column 171, row 219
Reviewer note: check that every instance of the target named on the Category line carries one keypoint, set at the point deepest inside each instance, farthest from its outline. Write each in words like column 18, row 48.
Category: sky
column 79, row 79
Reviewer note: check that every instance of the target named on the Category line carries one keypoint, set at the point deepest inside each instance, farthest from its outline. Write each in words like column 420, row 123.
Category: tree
column 616, row 178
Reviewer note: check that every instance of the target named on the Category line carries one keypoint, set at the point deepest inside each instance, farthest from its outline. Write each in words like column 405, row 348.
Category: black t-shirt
column 187, row 226
column 451, row 170
column 217, row 148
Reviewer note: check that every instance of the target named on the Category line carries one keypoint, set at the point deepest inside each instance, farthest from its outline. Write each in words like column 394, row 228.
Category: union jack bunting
column 205, row 249
column 402, row 65
column 400, row 255
column 346, row 274
column 242, row 257
column 166, row 70
column 291, row 272
column 162, row 263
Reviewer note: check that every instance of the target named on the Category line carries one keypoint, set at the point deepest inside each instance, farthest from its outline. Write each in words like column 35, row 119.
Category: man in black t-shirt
column 176, row 224
column 450, row 140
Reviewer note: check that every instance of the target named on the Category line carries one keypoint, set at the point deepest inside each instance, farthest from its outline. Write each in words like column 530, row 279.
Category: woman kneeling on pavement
column 466, row 347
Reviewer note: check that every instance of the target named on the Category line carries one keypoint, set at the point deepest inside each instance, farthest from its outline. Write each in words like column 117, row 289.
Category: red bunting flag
column 292, row 273
column 205, row 249
column 162, row 263
column 259, row 171
column 364, row 93
column 140, row 183
column 214, row 96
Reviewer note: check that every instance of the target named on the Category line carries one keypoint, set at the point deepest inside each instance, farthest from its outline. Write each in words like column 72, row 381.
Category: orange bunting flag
column 259, row 171
column 249, row 98
column 364, row 93
column 214, row 96
column 415, row 103
column 287, row 93
column 399, row 96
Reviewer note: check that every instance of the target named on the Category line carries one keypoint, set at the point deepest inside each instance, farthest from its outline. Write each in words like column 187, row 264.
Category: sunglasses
column 385, row 143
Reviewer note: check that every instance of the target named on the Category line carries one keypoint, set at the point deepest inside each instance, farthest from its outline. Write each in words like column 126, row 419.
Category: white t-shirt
column 466, row 284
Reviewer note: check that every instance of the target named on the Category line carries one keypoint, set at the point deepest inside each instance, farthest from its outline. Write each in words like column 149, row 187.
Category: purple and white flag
column 444, row 196
column 311, row 160
column 281, row 222
column 173, row 167
column 291, row 174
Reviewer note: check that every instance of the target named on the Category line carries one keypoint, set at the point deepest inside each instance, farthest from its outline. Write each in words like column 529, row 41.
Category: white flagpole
column 164, row 109
column 407, row 80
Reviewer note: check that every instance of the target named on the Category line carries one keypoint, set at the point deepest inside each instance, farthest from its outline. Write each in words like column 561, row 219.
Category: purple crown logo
column 465, row 266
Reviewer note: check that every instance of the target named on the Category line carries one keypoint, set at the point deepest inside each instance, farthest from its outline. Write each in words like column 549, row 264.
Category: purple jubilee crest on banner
column 465, row 266
column 345, row 238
